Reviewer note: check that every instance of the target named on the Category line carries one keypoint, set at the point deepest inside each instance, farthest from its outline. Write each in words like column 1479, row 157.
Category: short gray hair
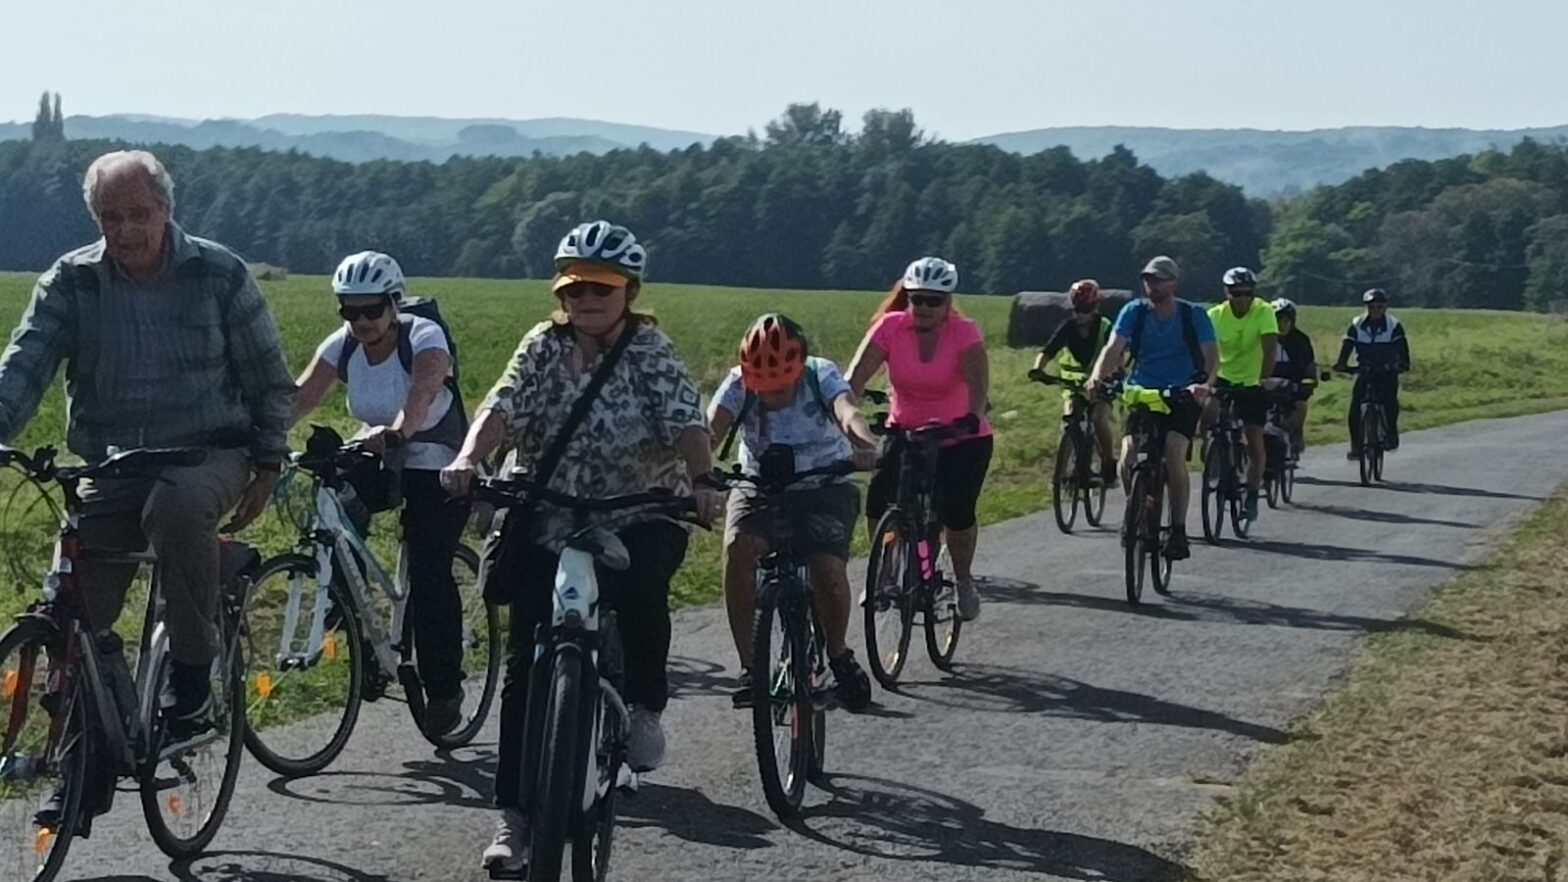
column 163, row 185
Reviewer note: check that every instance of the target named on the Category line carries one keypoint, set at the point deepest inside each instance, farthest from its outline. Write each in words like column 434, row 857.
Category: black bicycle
column 909, row 568
column 574, row 754
column 1146, row 525
column 1281, row 455
column 1374, row 421
column 791, row 682
column 75, row 718
column 1077, row 477
column 1225, row 464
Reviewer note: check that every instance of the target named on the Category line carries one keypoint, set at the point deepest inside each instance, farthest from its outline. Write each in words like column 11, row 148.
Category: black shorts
column 1183, row 418
column 1252, row 403
column 960, row 474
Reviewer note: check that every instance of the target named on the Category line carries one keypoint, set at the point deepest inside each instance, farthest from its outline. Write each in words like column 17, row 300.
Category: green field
column 1468, row 364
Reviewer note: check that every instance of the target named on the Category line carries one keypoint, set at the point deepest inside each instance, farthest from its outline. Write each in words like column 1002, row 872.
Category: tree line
column 807, row 204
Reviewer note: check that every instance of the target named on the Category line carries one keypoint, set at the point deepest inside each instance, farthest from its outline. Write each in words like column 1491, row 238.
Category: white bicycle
column 326, row 628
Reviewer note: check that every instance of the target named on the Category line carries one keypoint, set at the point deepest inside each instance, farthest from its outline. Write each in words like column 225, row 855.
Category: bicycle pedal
column 505, row 873
column 628, row 781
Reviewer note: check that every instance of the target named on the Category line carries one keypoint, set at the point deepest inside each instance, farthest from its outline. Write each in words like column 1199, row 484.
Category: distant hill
column 1272, row 163
column 363, row 138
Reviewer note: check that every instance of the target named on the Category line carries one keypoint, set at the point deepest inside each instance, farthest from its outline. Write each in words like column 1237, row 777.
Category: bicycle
column 907, row 572
column 574, row 755
column 321, row 640
column 1225, row 464
column 790, row 675
column 1076, row 478
column 75, row 718
column 1146, row 524
column 1374, row 422
column 1281, row 455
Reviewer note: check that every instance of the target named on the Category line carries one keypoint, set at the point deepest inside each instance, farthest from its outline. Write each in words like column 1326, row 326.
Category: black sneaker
column 1353, row 454
column 741, row 697
column 1176, row 547
column 191, row 714
column 442, row 715
column 1109, row 477
column 854, row 687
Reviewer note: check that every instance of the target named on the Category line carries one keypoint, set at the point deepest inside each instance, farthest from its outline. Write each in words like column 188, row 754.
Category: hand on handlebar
column 381, row 439
column 458, row 478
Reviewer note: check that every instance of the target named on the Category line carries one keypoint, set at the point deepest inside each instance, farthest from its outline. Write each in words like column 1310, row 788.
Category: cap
column 587, row 271
column 1162, row 267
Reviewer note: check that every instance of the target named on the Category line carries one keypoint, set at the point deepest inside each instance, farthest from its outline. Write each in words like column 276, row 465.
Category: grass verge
column 1445, row 756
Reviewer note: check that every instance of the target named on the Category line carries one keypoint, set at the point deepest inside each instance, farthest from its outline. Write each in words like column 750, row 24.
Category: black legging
column 960, row 474
column 432, row 528
column 639, row 594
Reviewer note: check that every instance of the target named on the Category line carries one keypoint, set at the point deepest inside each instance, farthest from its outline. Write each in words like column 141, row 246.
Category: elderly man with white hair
column 166, row 342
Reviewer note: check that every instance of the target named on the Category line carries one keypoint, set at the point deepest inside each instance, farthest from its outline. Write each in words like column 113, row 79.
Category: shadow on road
column 463, row 780
column 1192, row 607
column 1382, row 517
column 997, row 689
column 688, row 814
column 698, row 678
column 1319, row 551
column 876, row 818
column 268, row 866
column 1407, row 487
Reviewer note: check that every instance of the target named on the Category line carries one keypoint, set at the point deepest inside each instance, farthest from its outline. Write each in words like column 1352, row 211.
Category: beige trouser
column 178, row 516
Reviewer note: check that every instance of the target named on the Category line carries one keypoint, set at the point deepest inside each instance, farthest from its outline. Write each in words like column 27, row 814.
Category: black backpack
column 1189, row 332
column 453, row 426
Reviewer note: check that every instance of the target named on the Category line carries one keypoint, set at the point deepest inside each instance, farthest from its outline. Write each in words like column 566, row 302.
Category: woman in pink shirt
column 938, row 372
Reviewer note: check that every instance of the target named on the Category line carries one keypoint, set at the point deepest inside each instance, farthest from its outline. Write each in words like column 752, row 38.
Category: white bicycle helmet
column 605, row 243
column 1284, row 308
column 369, row 272
column 1240, row 277
column 931, row 274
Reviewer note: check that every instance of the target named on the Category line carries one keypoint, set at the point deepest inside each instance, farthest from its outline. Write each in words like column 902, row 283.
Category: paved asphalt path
column 1079, row 738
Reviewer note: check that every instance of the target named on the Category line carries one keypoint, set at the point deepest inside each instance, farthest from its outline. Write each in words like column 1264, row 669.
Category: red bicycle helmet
column 772, row 354
column 1086, row 294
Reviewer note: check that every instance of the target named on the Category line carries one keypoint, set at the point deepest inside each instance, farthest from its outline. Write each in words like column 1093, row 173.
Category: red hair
column 897, row 300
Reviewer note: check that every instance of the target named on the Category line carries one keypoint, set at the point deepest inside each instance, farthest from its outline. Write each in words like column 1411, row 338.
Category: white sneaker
column 968, row 601
column 508, row 852
column 645, row 741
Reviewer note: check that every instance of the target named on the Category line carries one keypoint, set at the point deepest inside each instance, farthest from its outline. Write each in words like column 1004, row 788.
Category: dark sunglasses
column 930, row 301
column 355, row 313
column 1240, row 292
column 577, row 290
column 1086, row 310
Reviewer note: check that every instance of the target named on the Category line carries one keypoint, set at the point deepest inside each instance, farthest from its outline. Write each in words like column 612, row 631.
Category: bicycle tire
column 1093, row 489
column 1240, row 487
column 1370, row 439
column 273, row 755
column 1064, row 481
column 556, row 797
column 1287, row 484
column 942, row 623
column 233, row 729
column 491, row 638
column 1154, row 545
column 595, row 841
column 781, row 699
column 1133, row 538
column 887, row 572
column 1215, row 461
column 817, row 773
column 21, row 674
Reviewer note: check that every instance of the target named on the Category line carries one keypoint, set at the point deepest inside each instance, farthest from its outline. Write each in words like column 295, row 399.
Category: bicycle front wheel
column 1371, row 444
column 1157, row 528
column 1093, row 489
column 186, row 787
column 1213, row 503
column 302, row 697
column 1134, row 537
column 591, row 850
column 557, row 796
column 782, row 711
column 1287, row 483
column 1064, row 486
column 888, row 603
column 43, row 753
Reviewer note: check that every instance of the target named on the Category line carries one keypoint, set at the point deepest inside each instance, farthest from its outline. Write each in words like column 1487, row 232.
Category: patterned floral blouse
column 627, row 442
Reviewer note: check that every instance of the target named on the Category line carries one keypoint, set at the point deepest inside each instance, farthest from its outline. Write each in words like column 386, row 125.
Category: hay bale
column 1036, row 315
column 266, row 272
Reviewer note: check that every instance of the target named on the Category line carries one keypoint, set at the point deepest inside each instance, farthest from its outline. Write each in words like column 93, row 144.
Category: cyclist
column 167, row 342
column 781, row 394
column 938, row 371
column 1378, row 341
column 1298, row 363
column 413, row 403
column 1075, row 346
column 1248, row 339
column 1170, row 343
column 645, row 428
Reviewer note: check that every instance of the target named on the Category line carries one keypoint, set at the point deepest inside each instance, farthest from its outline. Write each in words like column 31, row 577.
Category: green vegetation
column 1446, row 755
column 1468, row 364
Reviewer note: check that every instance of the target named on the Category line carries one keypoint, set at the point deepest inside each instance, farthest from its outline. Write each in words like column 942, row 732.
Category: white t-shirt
column 376, row 392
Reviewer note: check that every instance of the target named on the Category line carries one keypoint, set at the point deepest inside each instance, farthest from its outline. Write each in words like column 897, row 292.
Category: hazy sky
column 967, row 67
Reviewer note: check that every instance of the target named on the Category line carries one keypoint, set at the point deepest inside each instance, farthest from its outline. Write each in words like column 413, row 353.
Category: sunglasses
column 1087, row 310
column 578, row 290
column 929, row 301
column 1240, row 292
column 355, row 313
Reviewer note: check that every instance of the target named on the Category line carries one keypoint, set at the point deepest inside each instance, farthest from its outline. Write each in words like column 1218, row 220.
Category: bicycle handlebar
column 136, row 462
column 735, row 477
column 511, row 491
